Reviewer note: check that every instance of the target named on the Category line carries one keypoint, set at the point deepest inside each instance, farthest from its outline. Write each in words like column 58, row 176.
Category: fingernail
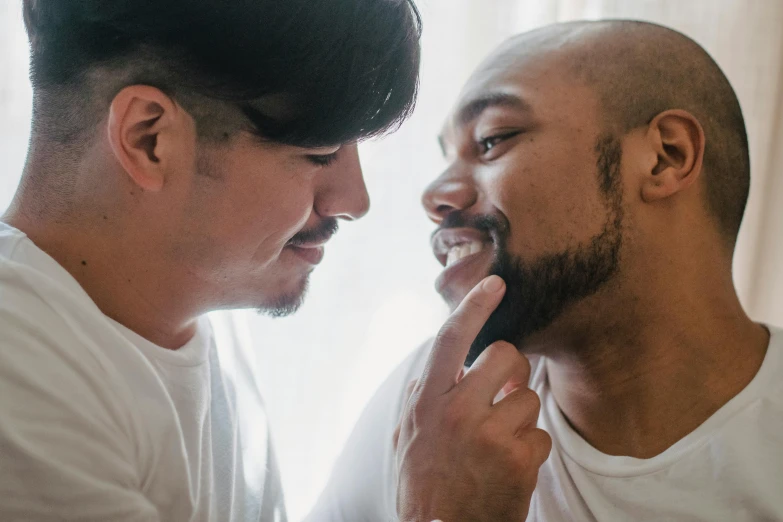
column 492, row 284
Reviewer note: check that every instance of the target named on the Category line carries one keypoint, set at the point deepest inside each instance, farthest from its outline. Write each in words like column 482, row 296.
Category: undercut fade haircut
column 300, row 72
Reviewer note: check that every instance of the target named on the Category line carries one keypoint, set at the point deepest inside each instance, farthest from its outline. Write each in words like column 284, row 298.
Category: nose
column 343, row 193
column 449, row 192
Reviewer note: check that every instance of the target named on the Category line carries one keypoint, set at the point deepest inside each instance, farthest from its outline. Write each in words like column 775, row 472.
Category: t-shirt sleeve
column 64, row 452
column 363, row 484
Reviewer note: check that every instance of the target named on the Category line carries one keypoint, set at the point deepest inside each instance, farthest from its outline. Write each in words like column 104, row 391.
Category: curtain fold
column 371, row 301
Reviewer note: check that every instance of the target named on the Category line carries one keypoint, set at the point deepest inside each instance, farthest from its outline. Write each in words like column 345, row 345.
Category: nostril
column 442, row 209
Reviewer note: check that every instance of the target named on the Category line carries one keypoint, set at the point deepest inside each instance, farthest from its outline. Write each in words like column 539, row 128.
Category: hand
column 460, row 457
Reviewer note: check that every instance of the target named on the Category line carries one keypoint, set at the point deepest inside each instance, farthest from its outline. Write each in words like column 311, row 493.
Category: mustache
column 496, row 227
column 325, row 230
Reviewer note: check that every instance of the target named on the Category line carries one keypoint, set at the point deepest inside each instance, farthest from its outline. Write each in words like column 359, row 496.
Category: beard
column 289, row 303
column 537, row 293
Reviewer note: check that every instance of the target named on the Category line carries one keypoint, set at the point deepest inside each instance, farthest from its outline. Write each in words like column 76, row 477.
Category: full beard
column 538, row 293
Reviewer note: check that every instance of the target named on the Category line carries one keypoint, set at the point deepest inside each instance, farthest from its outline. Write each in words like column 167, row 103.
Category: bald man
column 602, row 170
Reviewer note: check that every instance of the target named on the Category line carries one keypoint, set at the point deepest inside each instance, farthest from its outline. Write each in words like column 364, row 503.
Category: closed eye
column 322, row 160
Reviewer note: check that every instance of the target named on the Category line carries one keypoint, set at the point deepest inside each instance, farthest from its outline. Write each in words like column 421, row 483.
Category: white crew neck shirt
column 729, row 469
column 99, row 424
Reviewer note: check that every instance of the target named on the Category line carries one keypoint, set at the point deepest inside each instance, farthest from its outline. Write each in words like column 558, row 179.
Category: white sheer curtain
column 371, row 301
column 15, row 98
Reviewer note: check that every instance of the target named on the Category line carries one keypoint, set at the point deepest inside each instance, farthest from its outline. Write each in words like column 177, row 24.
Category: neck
column 679, row 350
column 119, row 266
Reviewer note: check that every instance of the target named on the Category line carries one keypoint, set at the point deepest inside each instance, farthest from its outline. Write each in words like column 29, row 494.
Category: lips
column 312, row 255
column 452, row 245
column 467, row 255
column 309, row 245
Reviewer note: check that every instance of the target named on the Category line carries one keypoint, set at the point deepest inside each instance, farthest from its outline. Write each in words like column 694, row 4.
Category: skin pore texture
column 608, row 193
column 160, row 225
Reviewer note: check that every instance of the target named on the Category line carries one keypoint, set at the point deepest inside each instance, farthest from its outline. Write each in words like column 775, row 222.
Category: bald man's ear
column 147, row 131
column 677, row 138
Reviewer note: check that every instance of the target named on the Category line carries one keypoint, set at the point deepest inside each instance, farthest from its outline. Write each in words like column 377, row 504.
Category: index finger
column 452, row 344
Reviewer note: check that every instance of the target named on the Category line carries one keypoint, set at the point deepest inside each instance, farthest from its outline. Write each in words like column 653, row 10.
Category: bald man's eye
column 490, row 142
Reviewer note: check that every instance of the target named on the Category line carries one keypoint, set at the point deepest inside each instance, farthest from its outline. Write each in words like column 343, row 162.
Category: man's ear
column 144, row 127
column 677, row 138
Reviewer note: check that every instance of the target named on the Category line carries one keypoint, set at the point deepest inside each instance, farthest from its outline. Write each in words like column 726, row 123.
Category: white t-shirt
column 99, row 424
column 729, row 469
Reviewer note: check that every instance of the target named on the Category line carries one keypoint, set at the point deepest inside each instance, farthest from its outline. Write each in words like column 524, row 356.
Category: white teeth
column 458, row 252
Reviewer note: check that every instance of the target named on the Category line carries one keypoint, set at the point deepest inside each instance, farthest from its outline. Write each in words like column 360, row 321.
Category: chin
column 454, row 296
column 456, row 281
column 286, row 301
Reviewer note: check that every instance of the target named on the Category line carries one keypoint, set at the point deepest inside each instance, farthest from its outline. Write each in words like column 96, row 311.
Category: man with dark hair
column 188, row 156
column 601, row 169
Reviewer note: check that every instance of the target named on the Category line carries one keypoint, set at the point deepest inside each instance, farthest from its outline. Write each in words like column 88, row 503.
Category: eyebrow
column 475, row 108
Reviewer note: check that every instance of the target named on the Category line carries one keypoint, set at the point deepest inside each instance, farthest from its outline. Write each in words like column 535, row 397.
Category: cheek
column 250, row 213
column 550, row 205
column 266, row 218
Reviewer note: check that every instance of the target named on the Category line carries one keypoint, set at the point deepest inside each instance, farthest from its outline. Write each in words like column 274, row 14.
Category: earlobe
column 139, row 120
column 657, row 189
column 678, row 140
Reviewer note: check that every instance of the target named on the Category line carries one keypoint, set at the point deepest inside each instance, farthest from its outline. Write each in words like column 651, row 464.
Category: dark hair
column 345, row 69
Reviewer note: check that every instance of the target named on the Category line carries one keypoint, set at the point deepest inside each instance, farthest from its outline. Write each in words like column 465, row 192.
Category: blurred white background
column 371, row 301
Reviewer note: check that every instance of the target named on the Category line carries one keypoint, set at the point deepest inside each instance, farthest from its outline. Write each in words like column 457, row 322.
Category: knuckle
column 544, row 441
column 474, row 303
column 535, row 448
column 418, row 413
column 524, row 455
column 505, row 346
column 507, row 355
column 526, row 406
column 487, row 437
column 519, row 462
column 448, row 334
column 532, row 401
column 524, row 363
column 503, row 349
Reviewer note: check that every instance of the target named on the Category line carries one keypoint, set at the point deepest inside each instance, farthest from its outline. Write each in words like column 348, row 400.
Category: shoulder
column 60, row 358
column 42, row 328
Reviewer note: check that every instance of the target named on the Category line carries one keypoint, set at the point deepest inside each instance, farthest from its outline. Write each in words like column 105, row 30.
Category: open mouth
column 453, row 245
column 467, row 255
column 461, row 251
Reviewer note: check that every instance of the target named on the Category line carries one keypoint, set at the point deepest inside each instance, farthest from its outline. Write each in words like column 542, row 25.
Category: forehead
column 545, row 86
